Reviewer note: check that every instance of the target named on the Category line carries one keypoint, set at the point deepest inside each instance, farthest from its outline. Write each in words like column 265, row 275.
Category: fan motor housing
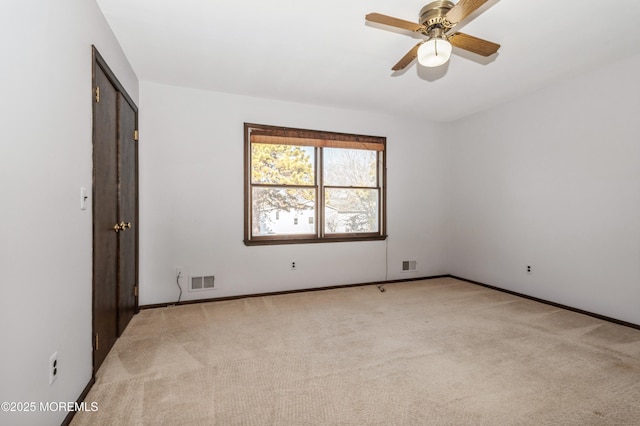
column 433, row 14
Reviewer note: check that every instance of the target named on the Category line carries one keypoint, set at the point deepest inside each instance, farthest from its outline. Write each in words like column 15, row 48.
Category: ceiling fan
column 437, row 19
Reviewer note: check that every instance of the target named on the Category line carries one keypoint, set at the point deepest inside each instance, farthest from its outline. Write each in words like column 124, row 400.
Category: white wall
column 45, row 156
column 191, row 197
column 553, row 181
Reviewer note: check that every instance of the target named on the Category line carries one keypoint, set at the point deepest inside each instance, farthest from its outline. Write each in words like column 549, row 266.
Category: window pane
column 283, row 211
column 349, row 167
column 282, row 164
column 351, row 210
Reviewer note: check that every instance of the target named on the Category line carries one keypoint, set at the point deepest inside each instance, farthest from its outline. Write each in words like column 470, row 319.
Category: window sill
column 338, row 239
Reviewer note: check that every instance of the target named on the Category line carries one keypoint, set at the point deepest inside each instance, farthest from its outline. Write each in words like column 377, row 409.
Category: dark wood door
column 105, row 216
column 128, row 209
column 115, row 210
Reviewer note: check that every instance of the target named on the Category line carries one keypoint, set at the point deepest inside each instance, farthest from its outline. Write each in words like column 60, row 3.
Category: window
column 306, row 186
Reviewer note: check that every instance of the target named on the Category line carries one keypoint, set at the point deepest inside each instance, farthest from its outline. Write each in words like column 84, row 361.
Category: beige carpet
column 435, row 352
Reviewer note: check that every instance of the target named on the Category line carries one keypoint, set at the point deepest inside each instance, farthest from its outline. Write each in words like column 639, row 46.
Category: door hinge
column 97, row 94
column 97, row 342
column 135, row 291
column 135, row 135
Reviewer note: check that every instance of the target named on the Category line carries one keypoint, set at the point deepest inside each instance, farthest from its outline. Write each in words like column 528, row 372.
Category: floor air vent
column 409, row 266
column 202, row 283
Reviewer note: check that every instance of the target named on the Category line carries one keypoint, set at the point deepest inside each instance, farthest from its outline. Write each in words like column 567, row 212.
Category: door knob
column 117, row 228
column 124, row 225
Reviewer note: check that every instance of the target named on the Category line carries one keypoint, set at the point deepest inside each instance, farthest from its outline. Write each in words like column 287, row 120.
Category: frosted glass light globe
column 434, row 52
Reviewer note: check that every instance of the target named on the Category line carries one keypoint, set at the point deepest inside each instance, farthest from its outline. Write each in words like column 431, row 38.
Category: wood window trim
column 267, row 134
column 280, row 136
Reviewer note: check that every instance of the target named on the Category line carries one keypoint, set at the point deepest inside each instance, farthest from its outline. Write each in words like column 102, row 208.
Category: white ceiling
column 324, row 53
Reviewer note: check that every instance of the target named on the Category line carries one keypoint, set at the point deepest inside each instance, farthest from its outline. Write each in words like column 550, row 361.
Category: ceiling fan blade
column 394, row 22
column 463, row 9
column 408, row 58
column 473, row 44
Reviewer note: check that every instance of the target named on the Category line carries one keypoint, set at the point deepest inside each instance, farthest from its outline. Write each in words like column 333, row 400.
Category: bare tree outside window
column 351, row 196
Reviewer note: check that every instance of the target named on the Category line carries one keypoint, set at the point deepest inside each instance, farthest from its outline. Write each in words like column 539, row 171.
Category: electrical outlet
column 293, row 266
column 53, row 367
column 529, row 269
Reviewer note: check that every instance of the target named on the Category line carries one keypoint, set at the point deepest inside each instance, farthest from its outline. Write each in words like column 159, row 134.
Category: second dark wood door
column 127, row 195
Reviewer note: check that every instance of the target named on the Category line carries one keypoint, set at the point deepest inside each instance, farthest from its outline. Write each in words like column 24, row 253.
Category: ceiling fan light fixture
column 434, row 52
column 438, row 22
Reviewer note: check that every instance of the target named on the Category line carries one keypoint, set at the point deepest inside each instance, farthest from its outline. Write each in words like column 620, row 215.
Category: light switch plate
column 83, row 198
